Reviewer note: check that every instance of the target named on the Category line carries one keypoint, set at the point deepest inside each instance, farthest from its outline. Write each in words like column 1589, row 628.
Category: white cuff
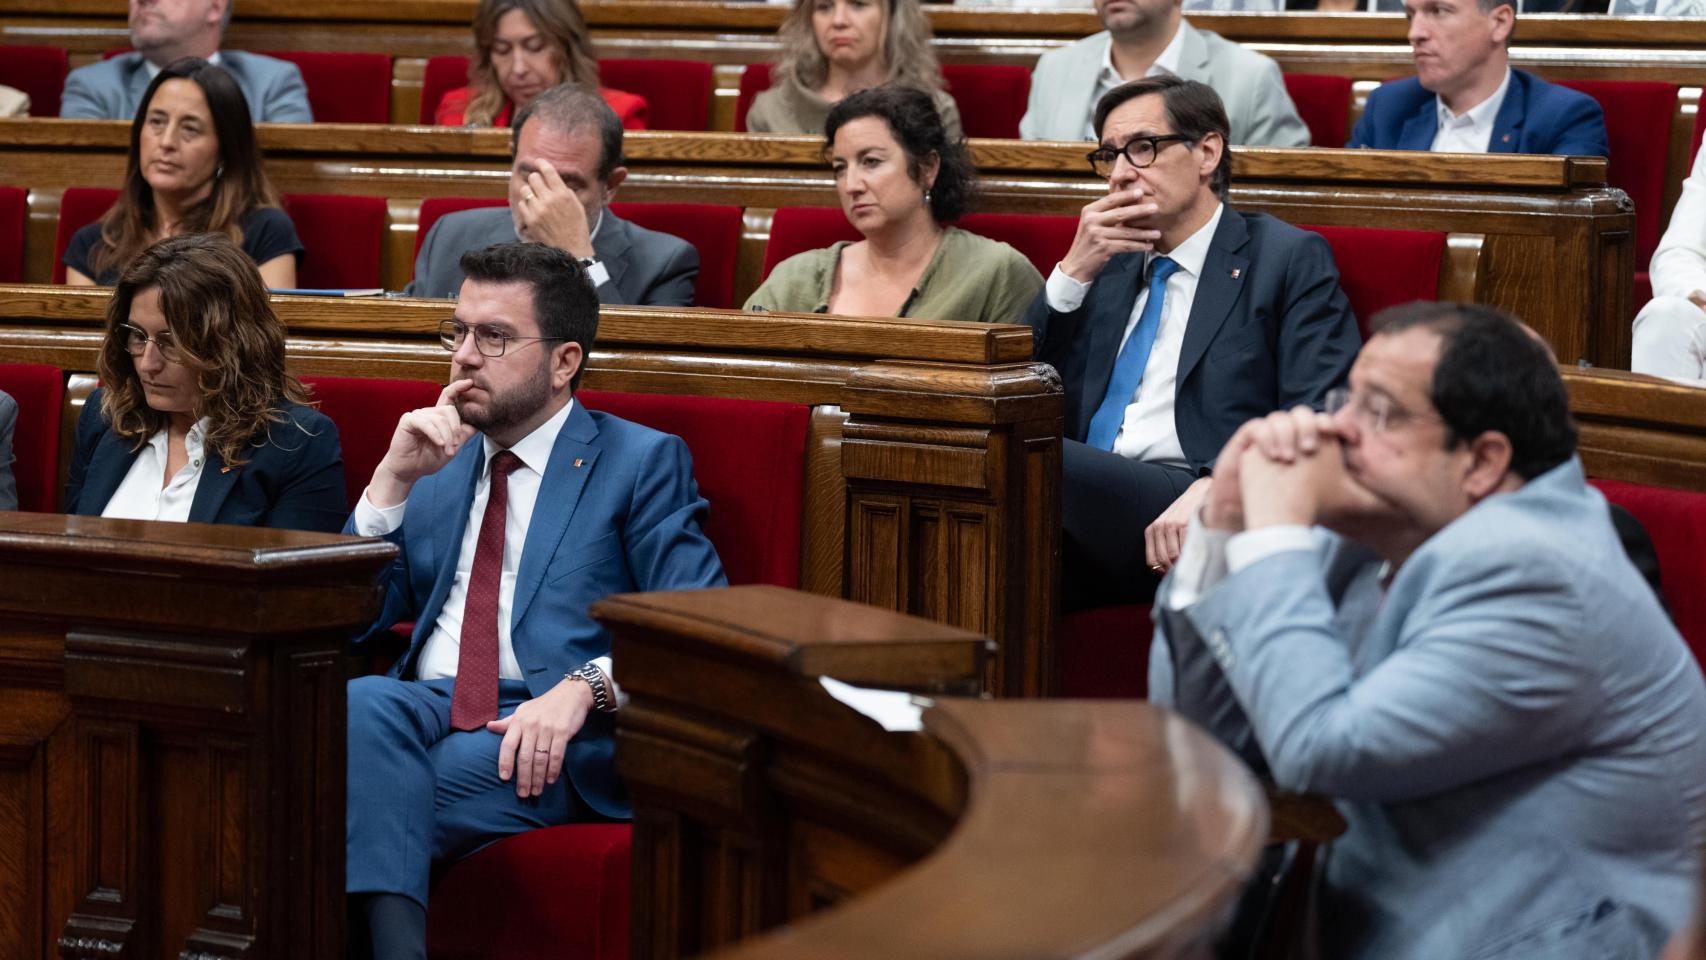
column 1064, row 293
column 372, row 521
column 1201, row 564
column 599, row 276
column 1250, row 546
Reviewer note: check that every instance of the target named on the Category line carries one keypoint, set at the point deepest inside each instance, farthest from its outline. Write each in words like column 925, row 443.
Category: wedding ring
column 541, row 750
column 527, row 193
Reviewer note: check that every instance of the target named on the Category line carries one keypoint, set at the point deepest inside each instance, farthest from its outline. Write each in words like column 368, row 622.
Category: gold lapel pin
column 579, row 461
column 224, row 469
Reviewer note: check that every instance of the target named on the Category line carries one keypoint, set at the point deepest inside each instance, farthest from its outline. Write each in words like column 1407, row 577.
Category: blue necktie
column 1134, row 356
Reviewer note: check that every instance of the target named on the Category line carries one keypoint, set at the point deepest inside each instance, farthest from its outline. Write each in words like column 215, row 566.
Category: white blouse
column 147, row 494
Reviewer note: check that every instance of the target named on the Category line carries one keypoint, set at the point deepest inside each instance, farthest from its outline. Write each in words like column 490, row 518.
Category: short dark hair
column 1493, row 374
column 1193, row 110
column 570, row 106
column 564, row 301
column 917, row 127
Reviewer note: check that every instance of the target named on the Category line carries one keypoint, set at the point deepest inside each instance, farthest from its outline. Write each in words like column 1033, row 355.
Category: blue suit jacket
column 1515, row 733
column 1536, row 117
column 293, row 481
column 618, row 512
column 1269, row 329
column 113, row 89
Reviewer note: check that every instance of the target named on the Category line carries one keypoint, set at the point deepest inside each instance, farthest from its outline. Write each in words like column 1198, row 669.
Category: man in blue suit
column 514, row 508
column 1172, row 319
column 163, row 31
column 1465, row 98
column 1416, row 606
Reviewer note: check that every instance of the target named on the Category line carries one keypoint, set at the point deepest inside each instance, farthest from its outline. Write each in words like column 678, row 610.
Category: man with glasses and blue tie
column 1172, row 320
column 514, row 508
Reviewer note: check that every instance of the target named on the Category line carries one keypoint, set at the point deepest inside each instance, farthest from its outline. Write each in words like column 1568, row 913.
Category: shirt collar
column 1191, row 254
column 1167, row 61
column 154, row 71
column 192, row 440
column 1481, row 115
column 534, row 450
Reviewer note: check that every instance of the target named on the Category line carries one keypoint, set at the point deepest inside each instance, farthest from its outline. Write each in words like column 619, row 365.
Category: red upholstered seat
column 79, row 207
column 1383, row 268
column 798, row 229
column 1637, row 125
column 1324, row 103
column 442, row 75
column 40, row 393
column 1104, row 652
column 344, row 87
column 434, row 207
column 343, row 237
column 1676, row 520
column 991, row 97
column 14, row 211
column 677, row 92
column 39, row 72
column 366, row 411
column 1042, row 238
column 712, row 228
column 754, row 80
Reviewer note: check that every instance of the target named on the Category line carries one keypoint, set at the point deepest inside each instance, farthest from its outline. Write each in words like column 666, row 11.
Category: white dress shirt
column 1148, row 431
column 1210, row 556
column 1166, row 62
column 154, row 71
column 1472, row 130
column 443, row 647
column 147, row 494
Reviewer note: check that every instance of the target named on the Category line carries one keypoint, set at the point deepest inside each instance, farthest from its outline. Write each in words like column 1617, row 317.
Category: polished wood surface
column 1004, row 829
column 1639, row 428
column 172, row 746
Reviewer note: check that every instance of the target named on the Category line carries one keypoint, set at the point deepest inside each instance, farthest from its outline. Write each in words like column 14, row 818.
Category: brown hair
column 1193, row 110
column 907, row 53
column 217, row 310
column 240, row 182
column 559, row 20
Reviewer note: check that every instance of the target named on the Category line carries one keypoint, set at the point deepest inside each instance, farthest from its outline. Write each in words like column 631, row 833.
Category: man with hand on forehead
column 1172, row 319
column 514, row 508
column 566, row 171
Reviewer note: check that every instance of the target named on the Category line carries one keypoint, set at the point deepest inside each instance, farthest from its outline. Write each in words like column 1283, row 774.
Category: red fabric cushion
column 991, row 97
column 434, row 207
column 1637, row 126
column 344, row 87
column 1676, row 520
column 1042, row 238
column 343, row 237
column 40, row 393
column 1383, row 268
column 1324, row 103
column 442, row 75
column 14, row 211
column 39, row 72
column 677, row 92
column 713, row 229
column 556, row 892
column 749, row 460
column 754, row 80
column 1104, row 652
column 366, row 411
column 798, row 229
column 78, row 207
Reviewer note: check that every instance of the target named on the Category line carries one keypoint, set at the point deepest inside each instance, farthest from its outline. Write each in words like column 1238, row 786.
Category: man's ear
column 1488, row 467
column 1212, row 147
column 613, row 183
column 216, row 11
column 1504, row 21
column 566, row 361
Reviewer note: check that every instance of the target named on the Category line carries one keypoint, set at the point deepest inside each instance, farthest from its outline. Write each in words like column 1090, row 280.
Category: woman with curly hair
column 900, row 178
column 196, row 418
column 831, row 48
column 526, row 47
column 193, row 168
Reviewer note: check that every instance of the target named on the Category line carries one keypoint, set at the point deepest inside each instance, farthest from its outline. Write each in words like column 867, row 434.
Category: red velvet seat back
column 366, row 411
column 79, row 207
column 749, row 460
column 798, row 229
column 39, row 72
column 1324, row 103
column 991, row 97
column 434, row 207
column 442, row 75
column 1383, row 268
column 1042, row 238
column 40, row 393
column 14, row 211
column 1637, row 126
column 712, row 228
column 754, row 80
column 343, row 237
column 344, row 87
column 1104, row 652
column 1676, row 520
column 677, row 92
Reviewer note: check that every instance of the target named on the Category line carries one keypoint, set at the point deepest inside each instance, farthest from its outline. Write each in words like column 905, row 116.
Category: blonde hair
column 907, row 53
column 559, row 20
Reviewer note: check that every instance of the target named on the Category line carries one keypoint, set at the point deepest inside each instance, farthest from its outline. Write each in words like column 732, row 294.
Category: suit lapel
column 216, row 483
column 139, row 81
column 1193, row 53
column 108, row 465
column 450, row 500
column 1224, row 271
column 1507, row 126
column 573, row 459
column 1418, row 131
column 1111, row 313
column 611, row 247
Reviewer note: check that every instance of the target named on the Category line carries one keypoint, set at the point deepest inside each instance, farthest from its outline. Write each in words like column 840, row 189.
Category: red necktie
column 475, row 699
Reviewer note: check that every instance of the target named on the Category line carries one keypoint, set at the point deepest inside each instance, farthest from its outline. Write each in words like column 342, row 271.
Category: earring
column 219, row 171
column 926, row 194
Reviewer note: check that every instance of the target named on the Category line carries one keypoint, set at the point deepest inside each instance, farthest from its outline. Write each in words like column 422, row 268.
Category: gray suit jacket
column 8, row 421
column 646, row 268
column 1515, row 733
column 113, row 89
column 1063, row 89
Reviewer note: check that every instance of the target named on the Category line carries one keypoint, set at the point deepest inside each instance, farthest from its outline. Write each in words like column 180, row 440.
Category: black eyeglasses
column 489, row 342
column 1139, row 152
column 136, row 341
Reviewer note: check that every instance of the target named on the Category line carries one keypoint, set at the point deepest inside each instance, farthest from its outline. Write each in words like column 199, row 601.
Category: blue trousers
column 420, row 793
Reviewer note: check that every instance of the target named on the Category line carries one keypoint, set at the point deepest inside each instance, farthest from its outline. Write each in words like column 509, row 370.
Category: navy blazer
column 618, row 512
column 1536, row 117
column 1269, row 329
column 292, row 481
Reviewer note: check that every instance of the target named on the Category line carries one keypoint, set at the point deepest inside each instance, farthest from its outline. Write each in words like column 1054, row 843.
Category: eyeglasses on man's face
column 1138, row 151
column 136, row 341
column 488, row 341
column 1377, row 413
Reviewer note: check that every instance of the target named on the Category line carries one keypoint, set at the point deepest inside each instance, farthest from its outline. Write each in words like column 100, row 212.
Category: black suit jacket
column 294, row 480
column 1269, row 329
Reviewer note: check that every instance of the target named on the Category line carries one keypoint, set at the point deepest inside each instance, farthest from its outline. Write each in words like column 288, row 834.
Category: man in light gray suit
column 567, row 169
column 1149, row 37
column 8, row 422
column 163, row 31
column 1464, row 660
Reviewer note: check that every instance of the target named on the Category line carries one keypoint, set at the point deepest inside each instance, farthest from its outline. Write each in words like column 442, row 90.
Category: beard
column 510, row 407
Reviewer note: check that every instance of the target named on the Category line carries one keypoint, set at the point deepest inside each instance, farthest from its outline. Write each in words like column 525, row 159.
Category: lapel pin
column 1235, row 272
column 1507, row 138
column 224, row 469
column 579, row 461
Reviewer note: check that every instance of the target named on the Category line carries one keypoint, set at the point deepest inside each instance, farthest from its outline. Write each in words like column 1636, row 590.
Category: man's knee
column 380, row 705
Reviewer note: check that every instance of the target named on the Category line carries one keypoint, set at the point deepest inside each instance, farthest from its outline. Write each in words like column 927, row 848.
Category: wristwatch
column 595, row 680
column 595, row 271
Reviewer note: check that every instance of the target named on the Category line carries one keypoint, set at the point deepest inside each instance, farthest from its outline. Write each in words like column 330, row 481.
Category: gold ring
column 1158, row 568
column 541, row 750
column 527, row 193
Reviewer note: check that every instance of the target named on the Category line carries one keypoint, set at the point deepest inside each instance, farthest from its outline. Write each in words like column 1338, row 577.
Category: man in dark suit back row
column 1172, row 319
column 567, row 168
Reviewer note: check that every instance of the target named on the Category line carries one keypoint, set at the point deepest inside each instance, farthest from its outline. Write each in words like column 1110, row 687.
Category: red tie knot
column 504, row 463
